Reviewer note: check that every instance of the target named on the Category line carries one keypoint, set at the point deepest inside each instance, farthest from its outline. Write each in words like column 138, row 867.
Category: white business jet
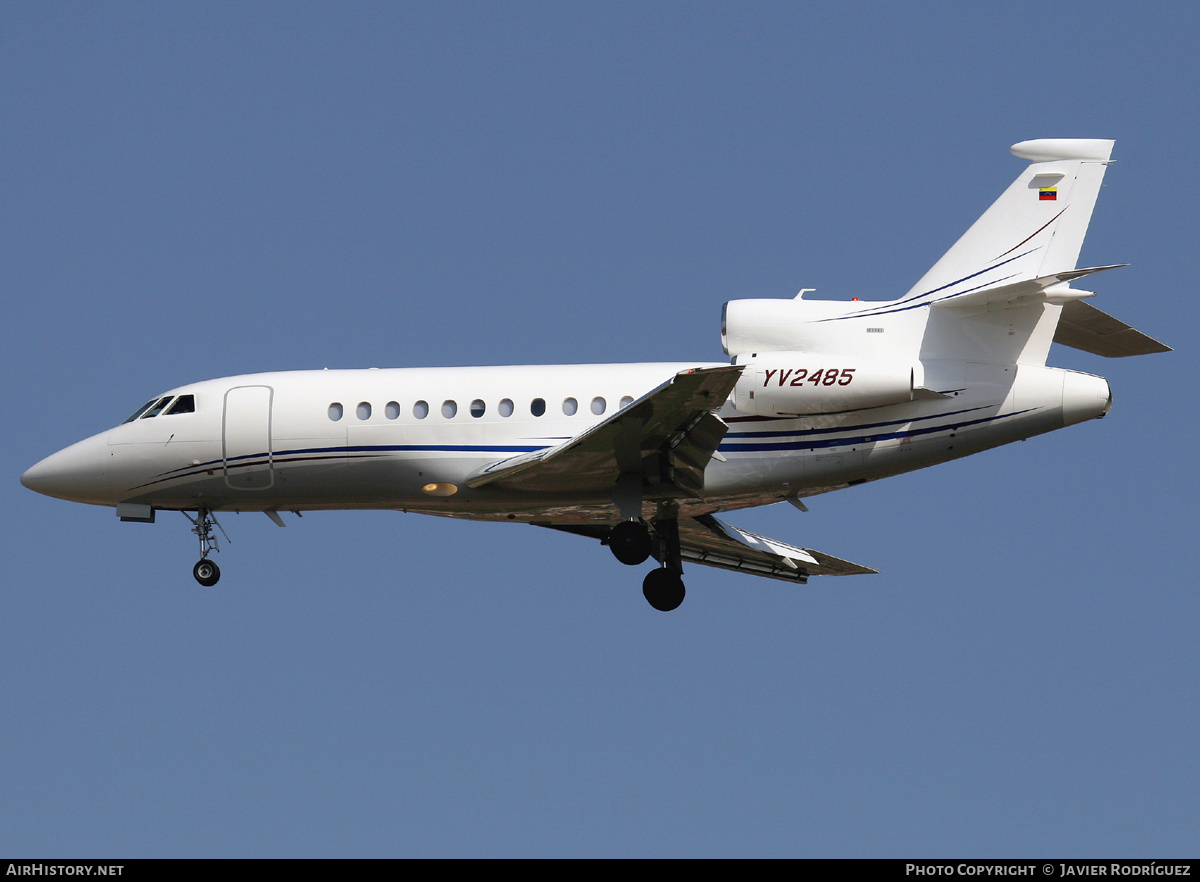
column 819, row 395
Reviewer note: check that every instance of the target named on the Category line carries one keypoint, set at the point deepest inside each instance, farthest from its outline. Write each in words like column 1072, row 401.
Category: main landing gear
column 206, row 571
column 632, row 543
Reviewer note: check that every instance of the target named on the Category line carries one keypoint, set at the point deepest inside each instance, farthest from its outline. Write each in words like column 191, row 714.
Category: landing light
column 441, row 488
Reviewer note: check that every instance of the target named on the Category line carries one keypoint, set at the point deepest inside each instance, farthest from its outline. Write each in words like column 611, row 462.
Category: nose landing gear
column 207, row 572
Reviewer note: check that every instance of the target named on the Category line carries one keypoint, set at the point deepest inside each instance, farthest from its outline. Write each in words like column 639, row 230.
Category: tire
column 630, row 542
column 663, row 589
column 207, row 573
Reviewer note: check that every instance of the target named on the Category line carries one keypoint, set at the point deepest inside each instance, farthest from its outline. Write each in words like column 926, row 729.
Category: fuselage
column 408, row 439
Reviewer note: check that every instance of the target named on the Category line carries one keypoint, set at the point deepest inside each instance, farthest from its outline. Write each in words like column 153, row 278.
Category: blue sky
column 192, row 191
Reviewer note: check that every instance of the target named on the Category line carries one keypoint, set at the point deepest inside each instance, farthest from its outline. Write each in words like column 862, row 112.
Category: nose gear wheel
column 207, row 573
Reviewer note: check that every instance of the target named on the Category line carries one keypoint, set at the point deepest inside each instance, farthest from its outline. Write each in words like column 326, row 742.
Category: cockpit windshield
column 155, row 406
column 141, row 410
column 183, row 404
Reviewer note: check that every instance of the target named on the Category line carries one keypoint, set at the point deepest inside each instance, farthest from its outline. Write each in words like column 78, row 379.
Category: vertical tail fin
column 1034, row 229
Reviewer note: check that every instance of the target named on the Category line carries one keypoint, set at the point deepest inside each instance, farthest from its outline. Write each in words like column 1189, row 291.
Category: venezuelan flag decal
column 1047, row 194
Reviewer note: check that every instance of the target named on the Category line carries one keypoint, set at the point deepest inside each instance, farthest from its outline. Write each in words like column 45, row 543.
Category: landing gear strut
column 207, row 572
column 663, row 588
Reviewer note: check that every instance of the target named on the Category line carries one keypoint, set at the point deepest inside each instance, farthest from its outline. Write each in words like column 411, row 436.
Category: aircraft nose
column 78, row 473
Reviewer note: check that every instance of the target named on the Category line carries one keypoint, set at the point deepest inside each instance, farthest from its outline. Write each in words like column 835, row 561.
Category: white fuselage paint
column 266, row 442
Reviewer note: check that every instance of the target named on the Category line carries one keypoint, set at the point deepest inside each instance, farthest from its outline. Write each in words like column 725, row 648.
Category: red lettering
column 831, row 377
column 798, row 380
column 783, row 375
column 815, row 379
column 847, row 376
column 768, row 379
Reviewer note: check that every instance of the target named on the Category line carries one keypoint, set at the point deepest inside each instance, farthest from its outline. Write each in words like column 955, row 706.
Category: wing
column 667, row 436
column 706, row 540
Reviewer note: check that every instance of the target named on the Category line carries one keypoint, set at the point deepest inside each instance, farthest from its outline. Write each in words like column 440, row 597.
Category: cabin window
column 183, row 404
column 449, row 409
column 137, row 413
column 506, row 407
column 599, row 405
column 421, row 409
column 363, row 411
column 478, row 408
column 538, row 406
column 626, row 400
column 335, row 411
column 570, row 406
column 392, row 410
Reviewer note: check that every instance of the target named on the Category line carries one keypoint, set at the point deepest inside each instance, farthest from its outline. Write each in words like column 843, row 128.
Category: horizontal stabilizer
column 1027, row 291
column 1082, row 326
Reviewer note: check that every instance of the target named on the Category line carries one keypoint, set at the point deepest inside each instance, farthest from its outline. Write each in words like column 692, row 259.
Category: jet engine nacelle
column 790, row 325
column 791, row 383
